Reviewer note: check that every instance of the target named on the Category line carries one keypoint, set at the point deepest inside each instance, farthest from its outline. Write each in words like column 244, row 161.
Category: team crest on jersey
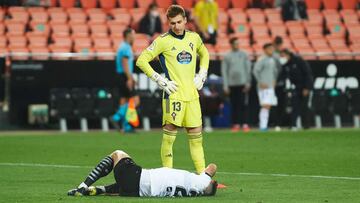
column 184, row 57
column 173, row 115
column 191, row 45
column 151, row 47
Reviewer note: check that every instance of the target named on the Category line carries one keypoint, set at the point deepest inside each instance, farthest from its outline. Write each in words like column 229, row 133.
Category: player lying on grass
column 132, row 180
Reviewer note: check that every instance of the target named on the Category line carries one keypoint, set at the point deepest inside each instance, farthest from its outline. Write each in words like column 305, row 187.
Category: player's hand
column 246, row 88
column 168, row 86
column 200, row 79
column 263, row 86
column 305, row 92
column 130, row 83
column 226, row 91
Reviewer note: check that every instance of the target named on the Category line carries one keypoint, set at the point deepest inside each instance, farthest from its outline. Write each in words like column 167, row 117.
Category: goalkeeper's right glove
column 168, row 86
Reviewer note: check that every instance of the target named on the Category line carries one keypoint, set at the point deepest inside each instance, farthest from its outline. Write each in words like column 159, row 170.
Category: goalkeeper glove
column 200, row 79
column 168, row 86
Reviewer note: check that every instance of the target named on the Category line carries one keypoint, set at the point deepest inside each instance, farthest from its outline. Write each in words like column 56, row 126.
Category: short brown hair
column 232, row 40
column 175, row 10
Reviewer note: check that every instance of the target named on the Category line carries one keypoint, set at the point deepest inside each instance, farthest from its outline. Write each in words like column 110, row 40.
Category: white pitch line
column 220, row 172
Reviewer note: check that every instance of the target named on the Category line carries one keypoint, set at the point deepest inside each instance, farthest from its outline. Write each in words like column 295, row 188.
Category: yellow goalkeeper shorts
column 182, row 113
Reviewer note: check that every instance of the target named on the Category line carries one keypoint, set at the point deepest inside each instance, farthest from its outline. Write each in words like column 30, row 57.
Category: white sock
column 83, row 185
column 264, row 118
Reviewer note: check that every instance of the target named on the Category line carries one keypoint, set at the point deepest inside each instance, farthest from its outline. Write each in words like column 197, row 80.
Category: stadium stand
column 332, row 28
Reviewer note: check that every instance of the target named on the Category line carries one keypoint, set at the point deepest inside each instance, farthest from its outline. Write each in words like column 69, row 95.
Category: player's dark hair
column 213, row 190
column 232, row 40
column 267, row 45
column 278, row 40
column 175, row 10
column 127, row 31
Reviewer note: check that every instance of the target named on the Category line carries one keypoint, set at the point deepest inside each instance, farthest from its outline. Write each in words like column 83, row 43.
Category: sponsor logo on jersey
column 184, row 57
column 151, row 47
column 173, row 49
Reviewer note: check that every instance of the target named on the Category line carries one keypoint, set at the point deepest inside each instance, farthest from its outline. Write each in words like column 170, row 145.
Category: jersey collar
column 177, row 36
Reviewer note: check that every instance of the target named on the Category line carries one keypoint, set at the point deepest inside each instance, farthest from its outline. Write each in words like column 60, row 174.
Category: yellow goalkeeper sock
column 166, row 148
column 197, row 151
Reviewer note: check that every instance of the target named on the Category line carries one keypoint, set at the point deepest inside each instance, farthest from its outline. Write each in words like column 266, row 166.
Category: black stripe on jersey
column 166, row 71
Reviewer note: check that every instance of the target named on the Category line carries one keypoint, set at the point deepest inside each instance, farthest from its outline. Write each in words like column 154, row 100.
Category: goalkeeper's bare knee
column 117, row 155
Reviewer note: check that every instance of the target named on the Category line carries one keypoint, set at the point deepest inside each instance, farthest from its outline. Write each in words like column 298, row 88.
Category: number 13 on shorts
column 182, row 113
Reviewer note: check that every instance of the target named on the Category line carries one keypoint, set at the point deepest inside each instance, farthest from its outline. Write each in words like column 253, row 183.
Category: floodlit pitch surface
column 308, row 166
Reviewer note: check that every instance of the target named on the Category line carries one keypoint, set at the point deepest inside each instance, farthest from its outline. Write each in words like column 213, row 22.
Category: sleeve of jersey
column 148, row 55
column 204, row 55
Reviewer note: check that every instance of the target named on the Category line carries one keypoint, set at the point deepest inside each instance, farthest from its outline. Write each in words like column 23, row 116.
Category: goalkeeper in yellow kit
column 177, row 51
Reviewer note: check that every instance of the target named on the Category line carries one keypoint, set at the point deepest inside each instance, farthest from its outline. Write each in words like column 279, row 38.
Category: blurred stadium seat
column 67, row 3
column 127, row 3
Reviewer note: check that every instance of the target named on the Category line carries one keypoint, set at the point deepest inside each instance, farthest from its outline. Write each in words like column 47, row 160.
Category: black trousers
column 280, row 93
column 239, row 105
column 299, row 106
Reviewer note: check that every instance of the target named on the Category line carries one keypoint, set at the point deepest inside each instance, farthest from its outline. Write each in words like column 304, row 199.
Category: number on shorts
column 176, row 106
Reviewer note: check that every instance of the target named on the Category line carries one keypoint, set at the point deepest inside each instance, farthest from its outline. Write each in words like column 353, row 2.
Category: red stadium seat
column 57, row 51
column 2, row 14
column 278, row 30
column 163, row 3
column 337, row 29
column 332, row 16
column 85, row 53
column 256, row 17
column 97, row 17
column 2, row 29
column 108, row 51
column 17, row 41
column 61, row 42
column 223, row 17
column 116, row 42
column 144, row 3
column 86, row 4
column 313, row 4
column 336, row 42
column 99, row 30
column 315, row 17
column 225, row 4
column 237, row 16
column 295, row 28
column 331, row 4
column 19, row 16
column 40, row 29
column 67, row 3
column 15, row 28
column 127, row 3
column 116, row 29
column 39, row 16
column 37, row 41
column 325, row 54
column 348, row 4
column 259, row 30
column 102, row 42
column 187, row 4
column 79, row 30
column 307, row 53
column 121, row 17
column 60, row 30
column 58, row 16
column 39, row 53
column 240, row 3
column 241, row 29
column 350, row 19
column 82, row 42
column 313, row 30
column 77, row 17
column 107, row 4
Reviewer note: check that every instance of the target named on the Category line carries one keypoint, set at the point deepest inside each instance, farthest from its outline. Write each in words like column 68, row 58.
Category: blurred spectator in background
column 280, row 90
column 10, row 2
column 293, row 10
column 206, row 17
column 125, row 68
column 151, row 22
column 266, row 72
column 236, row 73
column 298, row 71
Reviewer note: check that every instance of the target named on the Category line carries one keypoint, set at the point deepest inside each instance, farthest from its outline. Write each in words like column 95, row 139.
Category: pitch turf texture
column 309, row 166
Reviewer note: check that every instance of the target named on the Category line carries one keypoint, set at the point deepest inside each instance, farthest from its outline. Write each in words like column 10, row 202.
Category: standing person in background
column 125, row 68
column 150, row 23
column 206, row 18
column 236, row 73
column 293, row 10
column 266, row 72
column 280, row 89
column 298, row 71
column 178, row 50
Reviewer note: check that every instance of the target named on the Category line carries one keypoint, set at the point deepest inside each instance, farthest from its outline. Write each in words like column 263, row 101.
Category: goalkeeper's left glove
column 200, row 78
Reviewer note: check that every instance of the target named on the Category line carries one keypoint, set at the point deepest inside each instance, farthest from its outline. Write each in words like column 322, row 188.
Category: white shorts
column 267, row 97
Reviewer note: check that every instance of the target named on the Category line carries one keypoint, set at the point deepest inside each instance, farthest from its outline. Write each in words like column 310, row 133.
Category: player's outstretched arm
column 201, row 76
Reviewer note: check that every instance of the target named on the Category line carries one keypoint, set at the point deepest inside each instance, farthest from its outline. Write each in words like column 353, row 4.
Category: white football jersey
column 168, row 182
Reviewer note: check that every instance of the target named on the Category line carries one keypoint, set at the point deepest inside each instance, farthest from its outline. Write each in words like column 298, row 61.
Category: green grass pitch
column 308, row 166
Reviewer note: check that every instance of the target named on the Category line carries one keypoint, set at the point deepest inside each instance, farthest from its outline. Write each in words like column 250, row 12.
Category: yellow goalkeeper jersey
column 177, row 55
